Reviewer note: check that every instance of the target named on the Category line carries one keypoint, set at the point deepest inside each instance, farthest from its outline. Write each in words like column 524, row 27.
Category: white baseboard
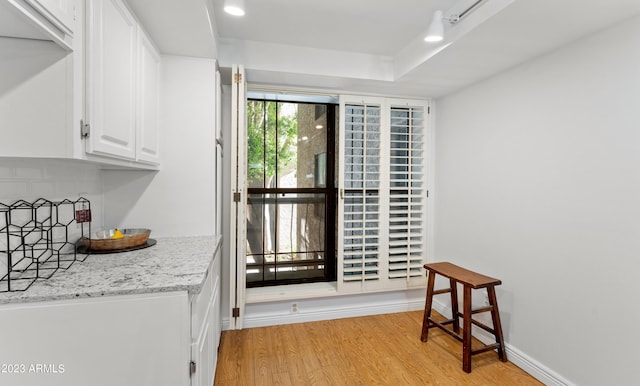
column 350, row 311
column 330, row 314
column 515, row 356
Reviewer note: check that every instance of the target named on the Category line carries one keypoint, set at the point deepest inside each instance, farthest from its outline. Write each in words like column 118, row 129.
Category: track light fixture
column 234, row 7
column 435, row 33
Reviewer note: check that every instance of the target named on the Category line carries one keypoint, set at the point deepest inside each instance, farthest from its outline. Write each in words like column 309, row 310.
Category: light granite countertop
column 173, row 264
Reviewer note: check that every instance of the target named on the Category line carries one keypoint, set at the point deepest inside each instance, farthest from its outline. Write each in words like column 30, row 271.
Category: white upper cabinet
column 148, row 122
column 123, row 70
column 111, row 67
column 39, row 19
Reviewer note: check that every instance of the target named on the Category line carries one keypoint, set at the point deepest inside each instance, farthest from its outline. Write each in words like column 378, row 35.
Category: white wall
column 538, row 184
column 179, row 199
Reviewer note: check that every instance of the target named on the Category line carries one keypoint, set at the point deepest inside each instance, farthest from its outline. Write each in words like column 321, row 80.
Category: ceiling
column 374, row 46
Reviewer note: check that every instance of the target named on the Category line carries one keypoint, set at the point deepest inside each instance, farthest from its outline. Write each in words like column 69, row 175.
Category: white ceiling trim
column 305, row 60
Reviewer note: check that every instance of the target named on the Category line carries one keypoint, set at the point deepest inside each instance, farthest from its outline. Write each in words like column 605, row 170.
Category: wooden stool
column 470, row 280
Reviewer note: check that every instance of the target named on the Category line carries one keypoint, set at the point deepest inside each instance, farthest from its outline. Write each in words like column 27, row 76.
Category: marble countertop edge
column 174, row 264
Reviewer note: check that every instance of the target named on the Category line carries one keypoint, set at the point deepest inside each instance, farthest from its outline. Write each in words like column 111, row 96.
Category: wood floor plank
column 260, row 356
column 372, row 350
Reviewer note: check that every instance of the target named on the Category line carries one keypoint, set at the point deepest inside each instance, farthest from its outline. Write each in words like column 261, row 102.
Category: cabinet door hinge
column 192, row 368
column 235, row 312
column 85, row 129
column 237, row 78
column 236, row 197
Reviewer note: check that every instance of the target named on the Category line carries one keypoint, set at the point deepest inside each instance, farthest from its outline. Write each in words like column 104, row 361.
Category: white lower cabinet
column 117, row 340
column 158, row 339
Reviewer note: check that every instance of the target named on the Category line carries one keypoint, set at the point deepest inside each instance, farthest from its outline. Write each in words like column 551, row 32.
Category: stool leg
column 427, row 307
column 466, row 333
column 454, row 306
column 497, row 326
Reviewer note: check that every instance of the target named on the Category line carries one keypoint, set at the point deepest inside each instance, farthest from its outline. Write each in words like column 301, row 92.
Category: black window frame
column 331, row 204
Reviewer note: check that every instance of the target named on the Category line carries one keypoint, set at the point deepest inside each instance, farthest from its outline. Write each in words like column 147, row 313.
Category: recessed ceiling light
column 234, row 7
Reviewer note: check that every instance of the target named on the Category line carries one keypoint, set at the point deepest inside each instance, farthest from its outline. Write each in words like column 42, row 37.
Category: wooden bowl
column 133, row 237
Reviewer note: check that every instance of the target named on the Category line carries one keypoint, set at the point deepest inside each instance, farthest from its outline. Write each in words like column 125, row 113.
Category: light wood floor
column 372, row 350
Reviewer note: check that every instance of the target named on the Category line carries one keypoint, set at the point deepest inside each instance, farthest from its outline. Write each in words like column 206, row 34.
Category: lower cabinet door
column 132, row 340
column 204, row 351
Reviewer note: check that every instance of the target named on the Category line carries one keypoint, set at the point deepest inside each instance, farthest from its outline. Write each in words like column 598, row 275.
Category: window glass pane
column 286, row 236
column 287, row 141
column 261, row 223
column 302, row 140
column 271, row 140
column 286, row 272
column 300, row 223
column 256, row 115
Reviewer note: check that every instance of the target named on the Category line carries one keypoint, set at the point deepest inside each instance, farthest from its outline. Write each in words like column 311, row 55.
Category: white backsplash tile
column 29, row 179
column 6, row 172
column 44, row 188
column 29, row 172
column 11, row 190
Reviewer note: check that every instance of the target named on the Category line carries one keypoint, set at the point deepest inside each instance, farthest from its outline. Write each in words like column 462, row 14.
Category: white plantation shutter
column 361, row 155
column 382, row 176
column 407, row 192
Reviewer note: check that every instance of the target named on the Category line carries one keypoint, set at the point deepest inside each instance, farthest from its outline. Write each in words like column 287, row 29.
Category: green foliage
column 263, row 146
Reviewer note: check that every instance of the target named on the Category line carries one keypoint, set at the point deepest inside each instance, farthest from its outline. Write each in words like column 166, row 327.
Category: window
column 291, row 194
column 294, row 174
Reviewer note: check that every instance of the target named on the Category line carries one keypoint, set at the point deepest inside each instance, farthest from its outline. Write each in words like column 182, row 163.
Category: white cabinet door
column 148, row 123
column 112, row 69
column 206, row 327
column 130, row 340
column 202, row 333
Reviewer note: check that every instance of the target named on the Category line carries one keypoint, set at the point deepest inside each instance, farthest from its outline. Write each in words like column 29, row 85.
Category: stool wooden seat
column 469, row 280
